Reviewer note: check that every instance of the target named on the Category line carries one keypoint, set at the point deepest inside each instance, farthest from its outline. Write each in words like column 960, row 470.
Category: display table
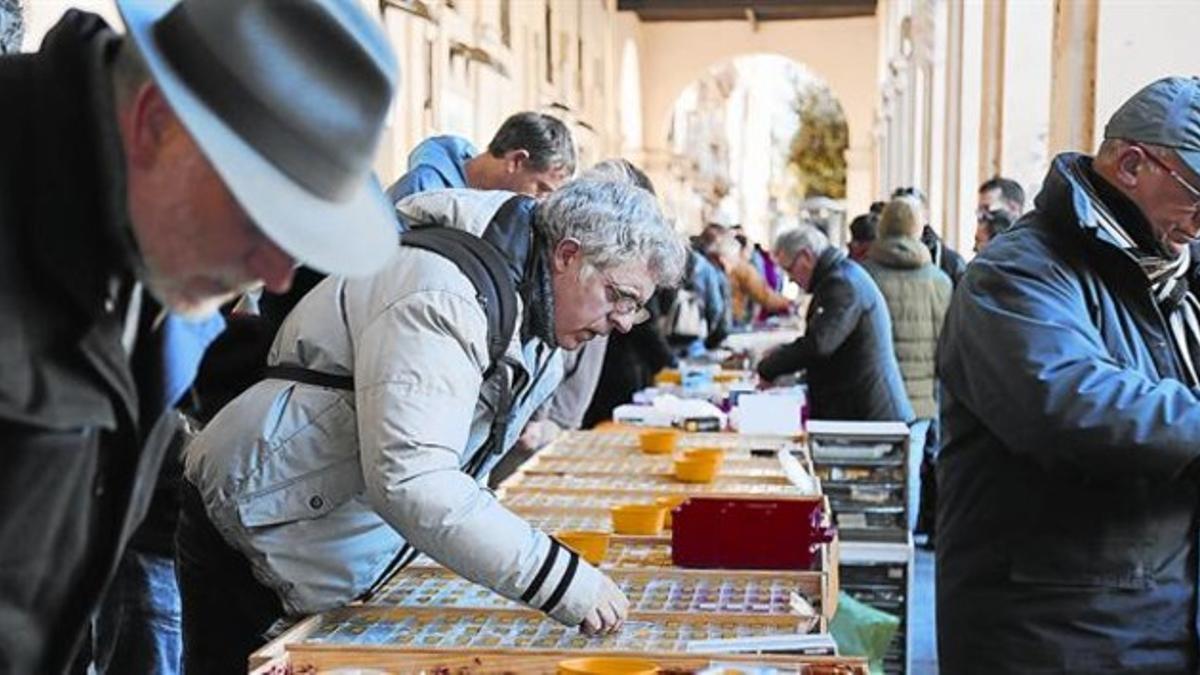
column 425, row 618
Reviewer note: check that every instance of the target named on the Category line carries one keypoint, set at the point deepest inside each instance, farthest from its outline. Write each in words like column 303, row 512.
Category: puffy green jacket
column 917, row 295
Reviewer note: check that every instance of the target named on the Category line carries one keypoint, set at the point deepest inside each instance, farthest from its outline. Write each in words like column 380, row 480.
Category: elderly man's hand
column 609, row 612
column 537, row 434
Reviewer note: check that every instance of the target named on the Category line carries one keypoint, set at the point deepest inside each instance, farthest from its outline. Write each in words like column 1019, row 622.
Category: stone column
column 991, row 122
column 1073, row 89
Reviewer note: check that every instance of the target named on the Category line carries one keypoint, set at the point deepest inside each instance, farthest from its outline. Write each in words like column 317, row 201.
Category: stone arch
column 666, row 113
column 730, row 135
column 843, row 53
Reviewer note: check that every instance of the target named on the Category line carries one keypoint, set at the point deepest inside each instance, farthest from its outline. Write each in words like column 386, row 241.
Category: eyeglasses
column 625, row 303
column 1191, row 189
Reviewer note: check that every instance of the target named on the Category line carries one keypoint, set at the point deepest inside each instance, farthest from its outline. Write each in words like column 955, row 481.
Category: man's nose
column 273, row 267
column 622, row 322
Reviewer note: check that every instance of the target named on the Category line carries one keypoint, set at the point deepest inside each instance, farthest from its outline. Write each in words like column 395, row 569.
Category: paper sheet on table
column 770, row 414
column 665, row 410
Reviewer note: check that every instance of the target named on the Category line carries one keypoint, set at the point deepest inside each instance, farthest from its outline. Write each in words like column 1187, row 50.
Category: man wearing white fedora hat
column 144, row 180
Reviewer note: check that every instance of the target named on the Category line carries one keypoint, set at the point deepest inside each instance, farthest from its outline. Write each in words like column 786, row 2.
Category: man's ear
column 1129, row 165
column 514, row 160
column 150, row 123
column 565, row 254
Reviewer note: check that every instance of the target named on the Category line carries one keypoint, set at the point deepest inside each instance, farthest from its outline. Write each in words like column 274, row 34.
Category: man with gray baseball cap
column 1070, row 367
column 144, row 180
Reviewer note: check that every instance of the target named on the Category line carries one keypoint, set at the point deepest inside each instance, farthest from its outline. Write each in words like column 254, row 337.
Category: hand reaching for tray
column 609, row 612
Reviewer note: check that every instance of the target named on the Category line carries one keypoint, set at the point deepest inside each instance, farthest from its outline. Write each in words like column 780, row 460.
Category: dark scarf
column 1123, row 222
column 537, row 292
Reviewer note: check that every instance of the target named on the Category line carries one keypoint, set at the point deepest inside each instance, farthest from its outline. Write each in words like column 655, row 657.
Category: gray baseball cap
column 1166, row 113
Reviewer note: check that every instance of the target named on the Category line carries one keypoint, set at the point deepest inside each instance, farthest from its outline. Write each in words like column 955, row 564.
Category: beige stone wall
column 463, row 72
column 1139, row 42
column 1020, row 80
column 467, row 64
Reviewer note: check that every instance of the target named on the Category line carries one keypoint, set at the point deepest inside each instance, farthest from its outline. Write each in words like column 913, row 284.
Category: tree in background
column 818, row 150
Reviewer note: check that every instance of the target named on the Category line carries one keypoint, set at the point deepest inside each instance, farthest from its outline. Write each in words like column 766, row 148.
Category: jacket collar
column 899, row 252
column 829, row 259
column 538, row 293
column 91, row 263
column 1092, row 204
column 447, row 155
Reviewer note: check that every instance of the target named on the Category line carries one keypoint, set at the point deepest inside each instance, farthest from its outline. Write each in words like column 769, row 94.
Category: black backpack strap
column 491, row 273
column 308, row 376
column 487, row 269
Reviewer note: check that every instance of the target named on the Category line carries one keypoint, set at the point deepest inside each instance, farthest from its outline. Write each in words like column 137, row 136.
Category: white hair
column 803, row 238
column 614, row 223
column 620, row 171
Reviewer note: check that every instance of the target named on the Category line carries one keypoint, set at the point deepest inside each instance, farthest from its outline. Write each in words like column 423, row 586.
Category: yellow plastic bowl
column 669, row 502
column 710, row 454
column 659, row 442
column 697, row 470
column 643, row 519
column 593, row 546
column 668, row 377
column 607, row 665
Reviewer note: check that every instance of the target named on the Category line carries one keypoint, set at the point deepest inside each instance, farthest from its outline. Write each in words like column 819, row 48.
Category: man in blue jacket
column 1067, row 533
column 531, row 154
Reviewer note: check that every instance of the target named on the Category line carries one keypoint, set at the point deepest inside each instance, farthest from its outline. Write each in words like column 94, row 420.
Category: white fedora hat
column 287, row 100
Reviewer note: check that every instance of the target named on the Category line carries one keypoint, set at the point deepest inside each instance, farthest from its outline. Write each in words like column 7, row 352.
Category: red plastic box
column 737, row 533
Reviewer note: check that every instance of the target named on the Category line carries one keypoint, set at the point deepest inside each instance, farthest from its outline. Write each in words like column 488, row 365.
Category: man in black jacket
column 143, row 180
column 847, row 344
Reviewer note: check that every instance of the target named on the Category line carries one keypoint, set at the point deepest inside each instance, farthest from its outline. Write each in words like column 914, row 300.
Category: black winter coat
column 944, row 258
column 70, row 395
column 1067, row 504
column 846, row 348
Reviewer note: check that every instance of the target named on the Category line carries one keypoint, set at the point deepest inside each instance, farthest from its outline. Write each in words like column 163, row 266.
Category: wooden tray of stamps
column 388, row 638
column 652, row 593
column 724, row 486
column 624, row 442
column 750, row 467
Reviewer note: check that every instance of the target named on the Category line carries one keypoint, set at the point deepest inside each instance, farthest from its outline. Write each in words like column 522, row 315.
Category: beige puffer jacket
column 320, row 487
column 918, row 295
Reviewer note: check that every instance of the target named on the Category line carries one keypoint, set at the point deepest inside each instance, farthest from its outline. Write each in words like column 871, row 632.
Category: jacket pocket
column 313, row 470
column 1063, row 561
column 304, row 498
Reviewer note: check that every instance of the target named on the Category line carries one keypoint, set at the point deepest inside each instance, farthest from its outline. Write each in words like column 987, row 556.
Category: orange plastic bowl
column 593, row 546
column 607, row 665
column 696, row 470
column 668, row 377
column 669, row 502
column 710, row 454
column 659, row 442
column 640, row 519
